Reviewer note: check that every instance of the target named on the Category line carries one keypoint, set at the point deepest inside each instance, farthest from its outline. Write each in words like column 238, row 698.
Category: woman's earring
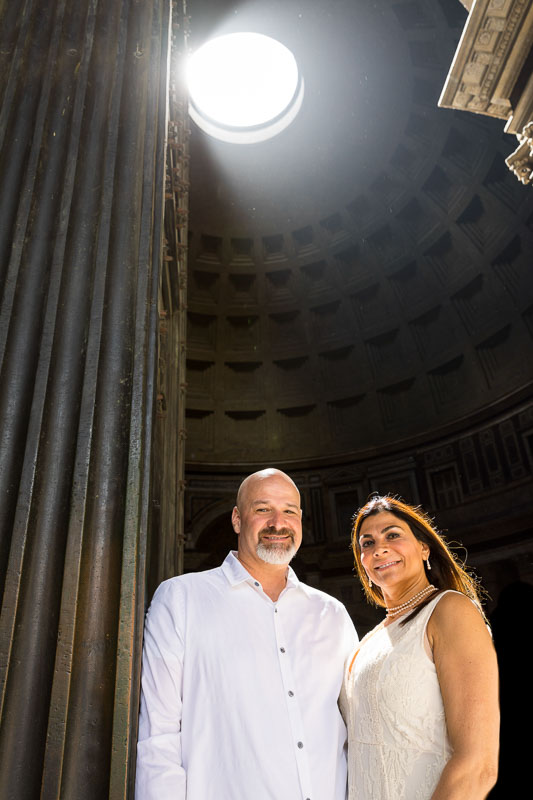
column 427, row 562
column 370, row 582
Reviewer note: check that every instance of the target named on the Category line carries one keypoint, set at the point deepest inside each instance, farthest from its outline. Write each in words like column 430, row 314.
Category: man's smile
column 276, row 537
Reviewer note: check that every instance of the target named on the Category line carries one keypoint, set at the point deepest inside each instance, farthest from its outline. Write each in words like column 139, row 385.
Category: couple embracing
column 255, row 687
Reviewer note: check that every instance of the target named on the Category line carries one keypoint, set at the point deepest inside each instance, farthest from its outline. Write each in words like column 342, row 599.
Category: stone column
column 83, row 94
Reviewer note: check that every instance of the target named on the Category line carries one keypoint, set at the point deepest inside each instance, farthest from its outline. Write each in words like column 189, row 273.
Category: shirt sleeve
column 350, row 637
column 343, row 702
column 351, row 640
column 160, row 773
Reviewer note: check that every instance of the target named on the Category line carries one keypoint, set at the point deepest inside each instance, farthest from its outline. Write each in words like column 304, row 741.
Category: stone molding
column 487, row 70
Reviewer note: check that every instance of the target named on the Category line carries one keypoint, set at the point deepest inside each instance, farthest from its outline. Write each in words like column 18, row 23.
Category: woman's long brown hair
column 447, row 572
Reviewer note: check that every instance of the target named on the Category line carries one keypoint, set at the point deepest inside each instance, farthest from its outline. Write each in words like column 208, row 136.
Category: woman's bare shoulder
column 455, row 612
column 453, row 602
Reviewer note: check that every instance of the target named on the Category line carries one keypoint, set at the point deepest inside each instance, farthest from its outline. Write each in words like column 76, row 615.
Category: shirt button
column 291, row 694
column 300, row 745
column 275, row 611
column 282, row 649
column 256, row 583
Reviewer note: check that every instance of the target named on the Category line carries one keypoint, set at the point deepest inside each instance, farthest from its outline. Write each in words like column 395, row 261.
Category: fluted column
column 83, row 92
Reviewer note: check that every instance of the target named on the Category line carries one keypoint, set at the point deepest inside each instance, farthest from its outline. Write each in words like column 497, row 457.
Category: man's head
column 267, row 517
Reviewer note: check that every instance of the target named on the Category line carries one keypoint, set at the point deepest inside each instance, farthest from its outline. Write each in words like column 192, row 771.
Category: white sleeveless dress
column 392, row 705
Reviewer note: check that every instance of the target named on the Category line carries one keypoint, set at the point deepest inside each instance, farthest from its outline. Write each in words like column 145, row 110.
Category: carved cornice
column 486, row 70
column 494, row 46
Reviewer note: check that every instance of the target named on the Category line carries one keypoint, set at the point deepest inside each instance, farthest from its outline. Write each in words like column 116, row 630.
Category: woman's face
column 390, row 553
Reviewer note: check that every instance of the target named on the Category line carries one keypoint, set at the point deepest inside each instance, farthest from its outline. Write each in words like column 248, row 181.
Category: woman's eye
column 392, row 535
column 366, row 543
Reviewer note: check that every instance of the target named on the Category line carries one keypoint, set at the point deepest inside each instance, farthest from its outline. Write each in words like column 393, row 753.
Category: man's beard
column 276, row 552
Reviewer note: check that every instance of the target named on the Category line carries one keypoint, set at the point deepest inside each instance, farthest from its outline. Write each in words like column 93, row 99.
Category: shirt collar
column 236, row 573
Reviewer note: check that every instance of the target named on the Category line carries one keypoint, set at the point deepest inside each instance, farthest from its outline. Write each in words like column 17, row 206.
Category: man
column 242, row 669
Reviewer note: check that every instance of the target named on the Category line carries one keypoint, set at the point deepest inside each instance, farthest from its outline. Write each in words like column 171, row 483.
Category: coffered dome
column 363, row 279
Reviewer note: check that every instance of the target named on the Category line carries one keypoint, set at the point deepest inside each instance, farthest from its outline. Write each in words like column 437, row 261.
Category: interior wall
column 477, row 483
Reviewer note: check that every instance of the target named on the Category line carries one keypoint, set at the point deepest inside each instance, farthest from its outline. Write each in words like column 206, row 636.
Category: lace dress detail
column 392, row 705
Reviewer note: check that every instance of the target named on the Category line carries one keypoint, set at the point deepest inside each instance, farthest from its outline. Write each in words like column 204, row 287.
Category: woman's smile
column 386, row 565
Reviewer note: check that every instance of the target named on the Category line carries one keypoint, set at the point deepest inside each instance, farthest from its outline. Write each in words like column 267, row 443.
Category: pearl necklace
column 394, row 610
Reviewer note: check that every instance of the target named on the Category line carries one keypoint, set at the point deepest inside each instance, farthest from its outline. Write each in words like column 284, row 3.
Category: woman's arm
column 467, row 670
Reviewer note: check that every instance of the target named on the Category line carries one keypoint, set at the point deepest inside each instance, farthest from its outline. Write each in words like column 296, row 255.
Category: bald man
column 242, row 669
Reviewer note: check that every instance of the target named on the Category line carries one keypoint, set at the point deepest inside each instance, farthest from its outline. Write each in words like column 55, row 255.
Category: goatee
column 277, row 552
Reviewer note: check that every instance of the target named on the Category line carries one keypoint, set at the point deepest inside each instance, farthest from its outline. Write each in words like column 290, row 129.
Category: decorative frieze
column 486, row 75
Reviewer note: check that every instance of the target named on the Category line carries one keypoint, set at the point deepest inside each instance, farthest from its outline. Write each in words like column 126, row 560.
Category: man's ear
column 236, row 520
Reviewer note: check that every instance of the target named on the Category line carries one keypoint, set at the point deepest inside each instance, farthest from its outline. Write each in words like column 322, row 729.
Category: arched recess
column 218, row 512
column 214, row 542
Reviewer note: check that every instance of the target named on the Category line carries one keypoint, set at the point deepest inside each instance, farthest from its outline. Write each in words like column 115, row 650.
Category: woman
column 420, row 697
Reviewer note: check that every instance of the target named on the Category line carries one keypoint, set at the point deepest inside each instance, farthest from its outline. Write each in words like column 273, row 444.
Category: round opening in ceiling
column 243, row 87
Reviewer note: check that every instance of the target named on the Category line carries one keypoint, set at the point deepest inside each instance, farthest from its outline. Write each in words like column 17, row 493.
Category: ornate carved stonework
column 521, row 161
column 490, row 73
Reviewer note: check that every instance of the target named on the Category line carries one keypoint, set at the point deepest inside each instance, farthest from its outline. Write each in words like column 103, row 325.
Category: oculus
column 243, row 87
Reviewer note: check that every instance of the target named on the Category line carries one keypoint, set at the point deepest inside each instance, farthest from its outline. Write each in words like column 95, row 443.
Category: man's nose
column 275, row 519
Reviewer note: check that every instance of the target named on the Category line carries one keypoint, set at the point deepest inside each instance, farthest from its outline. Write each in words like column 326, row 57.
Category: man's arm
column 351, row 637
column 160, row 774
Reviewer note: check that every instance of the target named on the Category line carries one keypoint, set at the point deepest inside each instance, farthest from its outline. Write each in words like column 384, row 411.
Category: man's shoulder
column 319, row 597
column 189, row 582
column 331, row 612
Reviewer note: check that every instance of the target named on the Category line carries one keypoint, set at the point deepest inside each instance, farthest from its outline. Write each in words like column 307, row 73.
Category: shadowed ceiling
column 364, row 279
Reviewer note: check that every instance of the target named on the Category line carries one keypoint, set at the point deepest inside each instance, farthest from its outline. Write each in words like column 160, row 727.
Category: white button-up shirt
column 239, row 694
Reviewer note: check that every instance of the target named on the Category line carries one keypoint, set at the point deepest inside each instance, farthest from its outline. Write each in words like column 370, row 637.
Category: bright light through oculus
column 243, row 81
